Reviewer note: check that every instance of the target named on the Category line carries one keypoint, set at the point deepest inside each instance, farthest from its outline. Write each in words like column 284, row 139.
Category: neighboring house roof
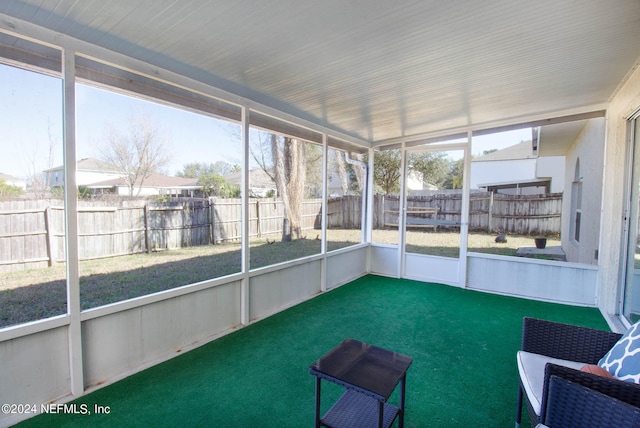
column 154, row 180
column 521, row 150
column 257, row 179
column 88, row 164
column 13, row 181
column 9, row 178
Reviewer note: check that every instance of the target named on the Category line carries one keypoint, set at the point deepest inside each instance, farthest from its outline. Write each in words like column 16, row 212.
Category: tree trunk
column 290, row 174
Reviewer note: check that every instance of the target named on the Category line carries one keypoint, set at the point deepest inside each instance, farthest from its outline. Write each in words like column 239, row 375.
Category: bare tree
column 289, row 175
column 285, row 161
column 350, row 170
column 342, row 171
column 358, row 163
column 39, row 166
column 137, row 153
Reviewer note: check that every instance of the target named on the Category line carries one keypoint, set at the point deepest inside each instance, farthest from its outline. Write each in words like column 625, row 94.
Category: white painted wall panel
column 533, row 279
column 34, row 369
column 125, row 341
column 384, row 260
column 346, row 266
column 443, row 270
column 276, row 290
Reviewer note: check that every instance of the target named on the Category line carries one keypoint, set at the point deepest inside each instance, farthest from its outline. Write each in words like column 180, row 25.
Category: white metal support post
column 323, row 249
column 368, row 233
column 71, row 223
column 402, row 211
column 364, row 214
column 245, row 263
column 464, row 214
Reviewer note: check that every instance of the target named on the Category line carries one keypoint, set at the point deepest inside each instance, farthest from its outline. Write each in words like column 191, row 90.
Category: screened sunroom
column 184, row 176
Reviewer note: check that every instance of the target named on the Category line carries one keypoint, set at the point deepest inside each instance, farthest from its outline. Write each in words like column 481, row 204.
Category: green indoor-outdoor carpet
column 463, row 345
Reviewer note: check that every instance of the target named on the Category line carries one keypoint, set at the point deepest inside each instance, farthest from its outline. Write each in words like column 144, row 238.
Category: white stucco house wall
column 582, row 196
column 517, row 170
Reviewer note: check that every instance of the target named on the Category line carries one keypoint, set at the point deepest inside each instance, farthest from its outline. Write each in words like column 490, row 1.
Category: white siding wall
column 442, row 270
column 344, row 266
column 569, row 283
column 384, row 260
column 507, row 171
column 123, row 342
column 34, row 369
column 276, row 290
column 519, row 170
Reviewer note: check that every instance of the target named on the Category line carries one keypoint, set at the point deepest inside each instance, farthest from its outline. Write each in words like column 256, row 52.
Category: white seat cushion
column 531, row 370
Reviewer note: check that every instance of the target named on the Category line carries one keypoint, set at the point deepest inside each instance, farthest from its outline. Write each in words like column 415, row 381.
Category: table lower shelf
column 356, row 410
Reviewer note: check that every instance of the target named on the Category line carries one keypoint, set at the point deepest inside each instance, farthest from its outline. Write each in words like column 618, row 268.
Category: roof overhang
column 515, row 184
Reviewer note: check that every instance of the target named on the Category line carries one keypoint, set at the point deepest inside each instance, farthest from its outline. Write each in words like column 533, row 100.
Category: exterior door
column 434, row 212
column 630, row 296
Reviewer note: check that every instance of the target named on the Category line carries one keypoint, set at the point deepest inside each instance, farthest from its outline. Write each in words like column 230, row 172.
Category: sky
column 31, row 126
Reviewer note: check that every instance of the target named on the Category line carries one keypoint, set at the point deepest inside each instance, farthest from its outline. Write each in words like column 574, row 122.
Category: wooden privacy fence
column 32, row 231
column 265, row 217
column 489, row 212
column 28, row 236
column 345, row 212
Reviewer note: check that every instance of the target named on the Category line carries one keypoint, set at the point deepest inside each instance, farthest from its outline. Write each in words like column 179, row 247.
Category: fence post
column 259, row 229
column 212, row 226
column 490, row 211
column 146, row 226
column 48, row 234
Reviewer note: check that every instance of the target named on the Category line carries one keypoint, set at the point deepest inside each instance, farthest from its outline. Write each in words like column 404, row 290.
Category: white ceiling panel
column 374, row 69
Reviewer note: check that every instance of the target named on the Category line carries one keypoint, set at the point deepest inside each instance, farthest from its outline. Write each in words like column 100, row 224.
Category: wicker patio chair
column 570, row 405
column 557, row 346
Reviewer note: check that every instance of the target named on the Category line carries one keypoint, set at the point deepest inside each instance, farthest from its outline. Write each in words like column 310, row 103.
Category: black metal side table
column 370, row 375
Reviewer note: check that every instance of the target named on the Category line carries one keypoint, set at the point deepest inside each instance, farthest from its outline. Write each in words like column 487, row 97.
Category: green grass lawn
column 447, row 243
column 40, row 293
